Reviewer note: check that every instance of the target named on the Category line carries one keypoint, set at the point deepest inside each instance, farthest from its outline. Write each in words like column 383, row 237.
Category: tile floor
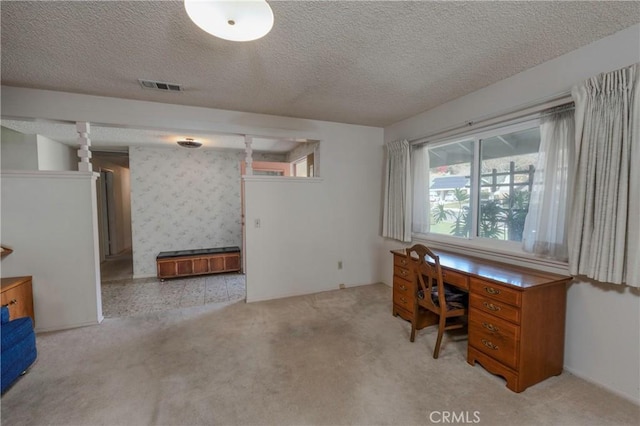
column 123, row 296
column 130, row 297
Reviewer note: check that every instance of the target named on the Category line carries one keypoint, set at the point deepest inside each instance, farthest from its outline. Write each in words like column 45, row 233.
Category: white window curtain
column 545, row 230
column 397, row 192
column 421, row 208
column 604, row 233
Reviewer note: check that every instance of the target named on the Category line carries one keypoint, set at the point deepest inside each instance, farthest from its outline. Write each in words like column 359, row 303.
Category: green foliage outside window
column 499, row 219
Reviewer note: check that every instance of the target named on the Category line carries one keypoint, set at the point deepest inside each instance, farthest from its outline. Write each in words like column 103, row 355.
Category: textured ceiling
column 370, row 63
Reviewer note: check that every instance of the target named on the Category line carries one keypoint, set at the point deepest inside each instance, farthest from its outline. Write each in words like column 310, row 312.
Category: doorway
column 114, row 215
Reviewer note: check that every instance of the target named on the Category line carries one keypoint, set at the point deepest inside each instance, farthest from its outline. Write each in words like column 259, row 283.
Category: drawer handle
column 489, row 345
column 491, row 290
column 13, row 302
column 491, row 306
column 403, row 262
column 403, row 300
column 490, row 327
column 403, row 272
column 403, row 287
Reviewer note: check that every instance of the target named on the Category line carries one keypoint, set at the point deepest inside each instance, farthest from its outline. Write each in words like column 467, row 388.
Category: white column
column 83, row 128
column 249, row 158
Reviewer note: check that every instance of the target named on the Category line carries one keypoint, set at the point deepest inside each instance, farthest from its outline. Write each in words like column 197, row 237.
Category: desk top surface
column 503, row 273
column 10, row 282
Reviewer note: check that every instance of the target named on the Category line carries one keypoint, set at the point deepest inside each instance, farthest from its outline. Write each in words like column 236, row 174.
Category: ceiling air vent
column 160, row 85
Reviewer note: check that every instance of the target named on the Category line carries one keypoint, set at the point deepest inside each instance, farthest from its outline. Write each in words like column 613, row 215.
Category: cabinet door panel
column 232, row 262
column 185, row 267
column 167, row 269
column 216, row 264
column 200, row 266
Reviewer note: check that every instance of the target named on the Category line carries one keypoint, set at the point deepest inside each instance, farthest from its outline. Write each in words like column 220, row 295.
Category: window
column 477, row 186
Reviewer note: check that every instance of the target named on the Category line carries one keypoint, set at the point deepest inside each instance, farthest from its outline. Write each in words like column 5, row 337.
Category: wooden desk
column 516, row 315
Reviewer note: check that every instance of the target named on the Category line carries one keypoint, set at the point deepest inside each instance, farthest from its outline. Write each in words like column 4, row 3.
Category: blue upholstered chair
column 18, row 347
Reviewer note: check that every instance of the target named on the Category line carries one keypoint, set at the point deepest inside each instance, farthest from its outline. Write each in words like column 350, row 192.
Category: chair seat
column 456, row 299
column 425, row 264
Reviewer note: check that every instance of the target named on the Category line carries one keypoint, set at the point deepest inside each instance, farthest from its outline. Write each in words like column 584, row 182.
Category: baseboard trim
column 304, row 293
column 68, row 326
column 135, row 277
column 608, row 388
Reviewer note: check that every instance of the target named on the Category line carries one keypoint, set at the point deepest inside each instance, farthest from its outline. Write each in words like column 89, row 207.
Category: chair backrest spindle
column 426, row 268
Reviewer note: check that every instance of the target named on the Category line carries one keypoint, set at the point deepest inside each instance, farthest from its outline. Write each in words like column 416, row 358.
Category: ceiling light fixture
column 189, row 143
column 235, row 20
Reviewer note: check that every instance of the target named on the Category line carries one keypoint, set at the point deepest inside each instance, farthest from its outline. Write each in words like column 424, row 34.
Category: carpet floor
column 331, row 358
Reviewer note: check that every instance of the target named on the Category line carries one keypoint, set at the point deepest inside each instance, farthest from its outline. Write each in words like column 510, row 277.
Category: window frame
column 481, row 245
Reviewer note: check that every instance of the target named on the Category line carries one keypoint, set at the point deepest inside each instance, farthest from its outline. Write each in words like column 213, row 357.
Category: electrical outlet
column 340, row 264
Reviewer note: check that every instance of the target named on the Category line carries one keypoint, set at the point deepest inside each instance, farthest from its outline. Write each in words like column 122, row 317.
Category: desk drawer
column 495, row 337
column 403, row 286
column 399, row 271
column 455, row 278
column 496, row 292
column 404, row 299
column 494, row 307
column 401, row 261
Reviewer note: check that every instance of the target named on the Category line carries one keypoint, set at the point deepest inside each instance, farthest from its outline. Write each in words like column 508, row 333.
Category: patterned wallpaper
column 184, row 199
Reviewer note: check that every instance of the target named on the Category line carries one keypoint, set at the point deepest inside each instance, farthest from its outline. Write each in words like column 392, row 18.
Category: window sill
column 485, row 250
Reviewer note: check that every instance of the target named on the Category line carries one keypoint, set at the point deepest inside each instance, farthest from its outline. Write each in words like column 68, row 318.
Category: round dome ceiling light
column 189, row 143
column 235, row 20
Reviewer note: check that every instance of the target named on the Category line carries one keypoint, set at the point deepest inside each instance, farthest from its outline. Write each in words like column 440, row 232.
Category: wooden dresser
column 18, row 297
column 516, row 315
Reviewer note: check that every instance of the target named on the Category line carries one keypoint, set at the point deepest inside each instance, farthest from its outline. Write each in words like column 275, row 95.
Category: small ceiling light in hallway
column 235, row 20
column 189, row 143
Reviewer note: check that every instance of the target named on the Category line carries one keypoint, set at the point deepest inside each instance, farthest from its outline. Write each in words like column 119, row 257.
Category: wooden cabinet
column 517, row 334
column 197, row 264
column 18, row 297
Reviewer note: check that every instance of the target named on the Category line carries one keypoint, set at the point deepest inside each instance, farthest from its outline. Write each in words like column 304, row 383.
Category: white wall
column 308, row 225
column 53, row 155
column 351, row 158
column 49, row 220
column 34, row 152
column 603, row 321
column 603, row 335
column 290, row 253
column 18, row 151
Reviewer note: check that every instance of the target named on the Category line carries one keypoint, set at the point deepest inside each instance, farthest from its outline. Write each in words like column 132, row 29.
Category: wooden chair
column 447, row 302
